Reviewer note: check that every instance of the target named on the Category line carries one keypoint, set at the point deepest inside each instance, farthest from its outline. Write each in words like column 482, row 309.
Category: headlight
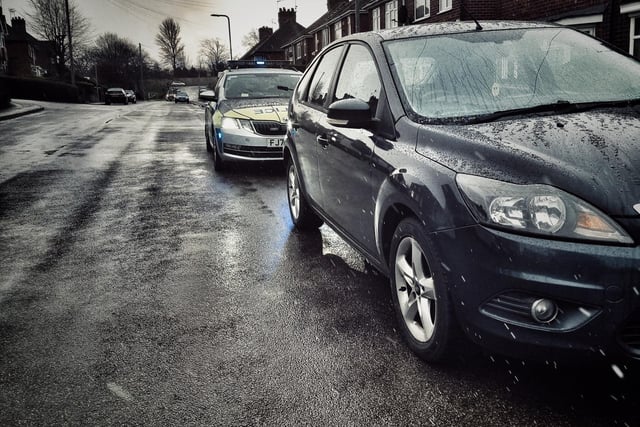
column 538, row 209
column 231, row 123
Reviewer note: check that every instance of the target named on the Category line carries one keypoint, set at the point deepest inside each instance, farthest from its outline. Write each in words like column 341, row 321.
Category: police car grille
column 253, row 152
column 269, row 128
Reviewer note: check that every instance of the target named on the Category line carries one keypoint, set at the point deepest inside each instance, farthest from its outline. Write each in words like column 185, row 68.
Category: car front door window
column 319, row 88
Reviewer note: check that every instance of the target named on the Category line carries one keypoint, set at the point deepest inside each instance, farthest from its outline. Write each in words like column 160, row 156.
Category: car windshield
column 486, row 72
column 260, row 85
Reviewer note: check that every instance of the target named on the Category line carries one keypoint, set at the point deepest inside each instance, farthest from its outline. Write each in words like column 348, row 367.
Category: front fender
column 426, row 191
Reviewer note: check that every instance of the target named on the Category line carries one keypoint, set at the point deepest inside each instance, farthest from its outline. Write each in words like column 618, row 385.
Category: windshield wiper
column 285, row 88
column 559, row 107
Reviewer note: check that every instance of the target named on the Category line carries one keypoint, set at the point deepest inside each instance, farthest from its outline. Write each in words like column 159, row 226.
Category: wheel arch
column 404, row 194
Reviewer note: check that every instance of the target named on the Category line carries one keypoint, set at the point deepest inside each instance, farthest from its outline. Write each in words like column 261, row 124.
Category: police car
column 246, row 114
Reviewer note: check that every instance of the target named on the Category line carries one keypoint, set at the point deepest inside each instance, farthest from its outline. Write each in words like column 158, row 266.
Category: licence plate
column 275, row 142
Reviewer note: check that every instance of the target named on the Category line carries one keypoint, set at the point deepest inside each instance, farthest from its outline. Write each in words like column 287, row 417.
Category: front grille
column 254, row 152
column 269, row 128
column 629, row 335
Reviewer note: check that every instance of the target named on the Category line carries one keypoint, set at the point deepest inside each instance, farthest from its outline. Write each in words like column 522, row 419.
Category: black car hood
column 594, row 155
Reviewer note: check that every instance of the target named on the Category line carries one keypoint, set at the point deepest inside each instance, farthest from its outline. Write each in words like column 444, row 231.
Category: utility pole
column 73, row 71
column 141, row 67
column 357, row 7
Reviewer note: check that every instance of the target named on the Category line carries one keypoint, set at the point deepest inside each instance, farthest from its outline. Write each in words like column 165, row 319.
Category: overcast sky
column 138, row 20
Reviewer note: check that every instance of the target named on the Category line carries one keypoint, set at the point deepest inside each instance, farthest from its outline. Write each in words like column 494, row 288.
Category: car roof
column 115, row 88
column 444, row 28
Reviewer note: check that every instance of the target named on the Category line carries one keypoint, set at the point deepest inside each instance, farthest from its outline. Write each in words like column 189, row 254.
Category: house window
column 375, row 19
column 337, row 30
column 298, row 50
column 391, row 14
column 325, row 37
column 349, row 29
column 422, row 9
column 586, row 24
column 317, row 42
column 445, row 5
column 632, row 10
column 588, row 30
column 634, row 37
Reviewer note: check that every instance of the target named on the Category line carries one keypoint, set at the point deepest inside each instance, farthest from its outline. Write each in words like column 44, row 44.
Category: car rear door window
column 319, row 89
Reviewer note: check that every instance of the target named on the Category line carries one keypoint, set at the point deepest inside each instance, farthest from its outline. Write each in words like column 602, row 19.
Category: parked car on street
column 115, row 94
column 131, row 96
column 246, row 118
column 491, row 171
column 181, row 97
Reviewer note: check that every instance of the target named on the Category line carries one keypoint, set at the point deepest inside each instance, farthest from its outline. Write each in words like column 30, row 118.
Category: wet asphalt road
column 140, row 287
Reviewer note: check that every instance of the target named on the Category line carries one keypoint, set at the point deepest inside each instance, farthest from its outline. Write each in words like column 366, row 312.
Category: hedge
column 5, row 99
column 39, row 89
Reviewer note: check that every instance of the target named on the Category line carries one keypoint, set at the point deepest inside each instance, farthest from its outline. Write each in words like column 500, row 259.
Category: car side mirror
column 350, row 113
column 208, row 95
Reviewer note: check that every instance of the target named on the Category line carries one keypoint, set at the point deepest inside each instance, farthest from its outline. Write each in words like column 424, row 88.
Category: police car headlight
column 231, row 123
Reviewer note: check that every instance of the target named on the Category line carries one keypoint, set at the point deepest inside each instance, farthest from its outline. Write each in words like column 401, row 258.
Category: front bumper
column 497, row 276
column 242, row 145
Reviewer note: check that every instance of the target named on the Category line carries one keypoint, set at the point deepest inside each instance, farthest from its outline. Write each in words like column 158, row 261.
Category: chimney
column 18, row 26
column 286, row 17
column 264, row 33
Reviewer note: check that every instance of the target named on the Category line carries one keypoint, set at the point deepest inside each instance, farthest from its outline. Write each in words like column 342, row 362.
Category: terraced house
column 615, row 21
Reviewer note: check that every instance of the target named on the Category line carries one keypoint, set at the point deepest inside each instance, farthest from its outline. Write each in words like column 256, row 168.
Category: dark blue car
column 491, row 171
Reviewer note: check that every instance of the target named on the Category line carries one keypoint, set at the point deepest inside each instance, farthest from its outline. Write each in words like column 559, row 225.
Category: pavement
column 19, row 108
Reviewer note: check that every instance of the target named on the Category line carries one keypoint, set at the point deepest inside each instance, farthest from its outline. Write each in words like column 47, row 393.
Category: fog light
column 544, row 310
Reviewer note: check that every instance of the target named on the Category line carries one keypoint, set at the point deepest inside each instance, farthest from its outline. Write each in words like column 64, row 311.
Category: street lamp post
column 228, row 26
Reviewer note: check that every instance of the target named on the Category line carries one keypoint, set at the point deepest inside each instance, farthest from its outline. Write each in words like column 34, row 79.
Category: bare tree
column 117, row 60
column 251, row 39
column 49, row 22
column 213, row 52
column 171, row 46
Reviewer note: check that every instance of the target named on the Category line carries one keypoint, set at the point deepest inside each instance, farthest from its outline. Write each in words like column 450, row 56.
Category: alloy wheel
column 415, row 289
column 293, row 191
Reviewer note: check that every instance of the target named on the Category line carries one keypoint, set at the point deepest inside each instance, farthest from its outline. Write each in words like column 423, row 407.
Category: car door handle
column 323, row 140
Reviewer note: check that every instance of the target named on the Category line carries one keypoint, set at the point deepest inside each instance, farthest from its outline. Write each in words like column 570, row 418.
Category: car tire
column 207, row 139
column 218, row 163
column 420, row 296
column 302, row 215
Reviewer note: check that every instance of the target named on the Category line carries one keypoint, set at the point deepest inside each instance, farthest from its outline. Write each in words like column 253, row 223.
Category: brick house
column 337, row 22
column 4, row 32
column 612, row 21
column 615, row 21
column 270, row 43
column 25, row 55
